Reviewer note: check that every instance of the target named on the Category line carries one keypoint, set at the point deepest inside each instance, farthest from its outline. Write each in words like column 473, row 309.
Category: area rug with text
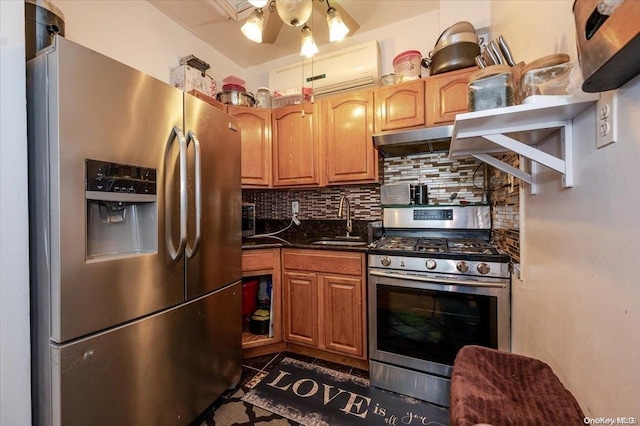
column 314, row 396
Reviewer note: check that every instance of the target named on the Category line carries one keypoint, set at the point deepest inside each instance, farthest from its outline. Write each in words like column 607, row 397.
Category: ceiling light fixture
column 337, row 28
column 252, row 29
column 308, row 46
column 294, row 13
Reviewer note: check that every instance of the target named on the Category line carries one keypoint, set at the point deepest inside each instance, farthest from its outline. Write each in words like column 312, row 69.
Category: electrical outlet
column 295, row 207
column 510, row 183
column 607, row 123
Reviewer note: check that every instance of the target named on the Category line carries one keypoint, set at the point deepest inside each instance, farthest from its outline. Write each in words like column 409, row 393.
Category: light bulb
column 252, row 29
column 337, row 28
column 309, row 47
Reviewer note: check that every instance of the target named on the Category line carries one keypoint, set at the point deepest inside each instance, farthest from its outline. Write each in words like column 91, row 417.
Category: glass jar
column 491, row 87
column 263, row 98
column 549, row 75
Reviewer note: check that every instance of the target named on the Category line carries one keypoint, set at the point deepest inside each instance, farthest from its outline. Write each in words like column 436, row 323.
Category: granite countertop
column 304, row 235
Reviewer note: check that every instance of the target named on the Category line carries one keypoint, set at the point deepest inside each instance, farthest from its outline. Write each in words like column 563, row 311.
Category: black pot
column 453, row 57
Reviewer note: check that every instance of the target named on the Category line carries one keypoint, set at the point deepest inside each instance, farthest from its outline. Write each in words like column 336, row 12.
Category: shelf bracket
column 562, row 165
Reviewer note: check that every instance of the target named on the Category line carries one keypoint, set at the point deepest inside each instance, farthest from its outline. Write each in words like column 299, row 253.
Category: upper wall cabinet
column 296, row 153
column 400, row 106
column 208, row 99
column 430, row 101
column 346, row 130
column 447, row 96
column 255, row 131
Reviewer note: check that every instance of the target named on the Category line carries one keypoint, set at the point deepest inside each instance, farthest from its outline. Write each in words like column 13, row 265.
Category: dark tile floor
column 230, row 410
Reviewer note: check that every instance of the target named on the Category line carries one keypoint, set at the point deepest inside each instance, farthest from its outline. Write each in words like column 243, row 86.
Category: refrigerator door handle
column 176, row 253
column 191, row 251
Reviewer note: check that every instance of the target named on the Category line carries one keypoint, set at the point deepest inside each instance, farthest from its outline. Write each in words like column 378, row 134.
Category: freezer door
column 214, row 222
column 163, row 370
column 85, row 106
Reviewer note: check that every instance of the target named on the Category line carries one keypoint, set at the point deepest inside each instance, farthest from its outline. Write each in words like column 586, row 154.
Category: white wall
column 534, row 28
column 15, row 397
column 577, row 307
column 139, row 35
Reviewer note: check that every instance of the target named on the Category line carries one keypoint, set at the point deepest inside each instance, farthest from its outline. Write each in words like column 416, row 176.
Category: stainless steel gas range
column 436, row 284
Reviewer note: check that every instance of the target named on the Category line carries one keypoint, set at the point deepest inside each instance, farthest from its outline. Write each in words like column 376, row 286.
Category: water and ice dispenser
column 122, row 210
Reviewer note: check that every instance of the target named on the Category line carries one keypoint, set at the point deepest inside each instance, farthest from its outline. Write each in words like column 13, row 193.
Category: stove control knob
column 430, row 264
column 385, row 261
column 462, row 266
column 483, row 268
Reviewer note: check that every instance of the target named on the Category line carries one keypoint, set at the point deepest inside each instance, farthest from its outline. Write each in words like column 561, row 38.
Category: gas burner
column 398, row 243
column 470, row 246
column 432, row 245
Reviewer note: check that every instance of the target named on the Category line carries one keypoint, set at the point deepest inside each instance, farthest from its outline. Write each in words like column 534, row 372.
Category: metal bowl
column 233, row 97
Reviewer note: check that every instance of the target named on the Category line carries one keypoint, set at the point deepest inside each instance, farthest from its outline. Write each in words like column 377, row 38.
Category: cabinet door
column 447, row 96
column 256, row 263
column 401, row 105
column 301, row 308
column 343, row 314
column 208, row 99
column 296, row 158
column 255, row 131
column 347, row 129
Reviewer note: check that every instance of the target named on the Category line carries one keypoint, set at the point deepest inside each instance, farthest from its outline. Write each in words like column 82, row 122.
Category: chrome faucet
column 342, row 202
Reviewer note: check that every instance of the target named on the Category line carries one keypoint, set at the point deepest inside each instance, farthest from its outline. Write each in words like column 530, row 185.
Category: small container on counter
column 407, row 66
column 547, row 76
column 491, row 87
column 263, row 98
column 388, row 80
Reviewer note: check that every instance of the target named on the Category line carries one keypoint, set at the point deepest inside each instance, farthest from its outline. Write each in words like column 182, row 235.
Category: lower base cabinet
column 255, row 264
column 323, row 299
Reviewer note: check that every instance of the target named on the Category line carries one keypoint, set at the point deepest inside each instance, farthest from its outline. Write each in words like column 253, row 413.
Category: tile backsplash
column 505, row 209
column 443, row 176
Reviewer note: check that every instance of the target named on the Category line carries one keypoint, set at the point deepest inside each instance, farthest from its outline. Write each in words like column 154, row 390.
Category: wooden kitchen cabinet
column 324, row 294
column 343, row 301
column 346, row 130
column 301, row 307
column 296, row 153
column 447, row 96
column 256, row 151
column 208, row 99
column 256, row 263
column 400, row 106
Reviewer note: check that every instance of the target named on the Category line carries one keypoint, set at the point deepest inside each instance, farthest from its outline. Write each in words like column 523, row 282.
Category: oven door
column 420, row 321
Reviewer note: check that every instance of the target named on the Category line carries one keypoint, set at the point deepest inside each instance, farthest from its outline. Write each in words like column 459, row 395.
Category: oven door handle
column 438, row 280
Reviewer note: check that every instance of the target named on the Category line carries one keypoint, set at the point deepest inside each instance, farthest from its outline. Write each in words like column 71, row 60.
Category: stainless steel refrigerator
column 135, row 215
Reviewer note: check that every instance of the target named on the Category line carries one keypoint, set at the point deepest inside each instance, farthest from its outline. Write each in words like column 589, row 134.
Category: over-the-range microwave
column 248, row 219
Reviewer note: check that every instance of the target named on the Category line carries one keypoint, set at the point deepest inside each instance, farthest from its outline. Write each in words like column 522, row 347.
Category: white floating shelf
column 519, row 129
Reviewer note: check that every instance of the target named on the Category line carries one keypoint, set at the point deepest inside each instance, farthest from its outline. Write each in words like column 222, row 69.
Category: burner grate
column 470, row 246
column 432, row 245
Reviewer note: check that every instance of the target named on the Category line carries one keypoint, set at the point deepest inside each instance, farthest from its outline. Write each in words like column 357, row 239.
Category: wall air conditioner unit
column 347, row 69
